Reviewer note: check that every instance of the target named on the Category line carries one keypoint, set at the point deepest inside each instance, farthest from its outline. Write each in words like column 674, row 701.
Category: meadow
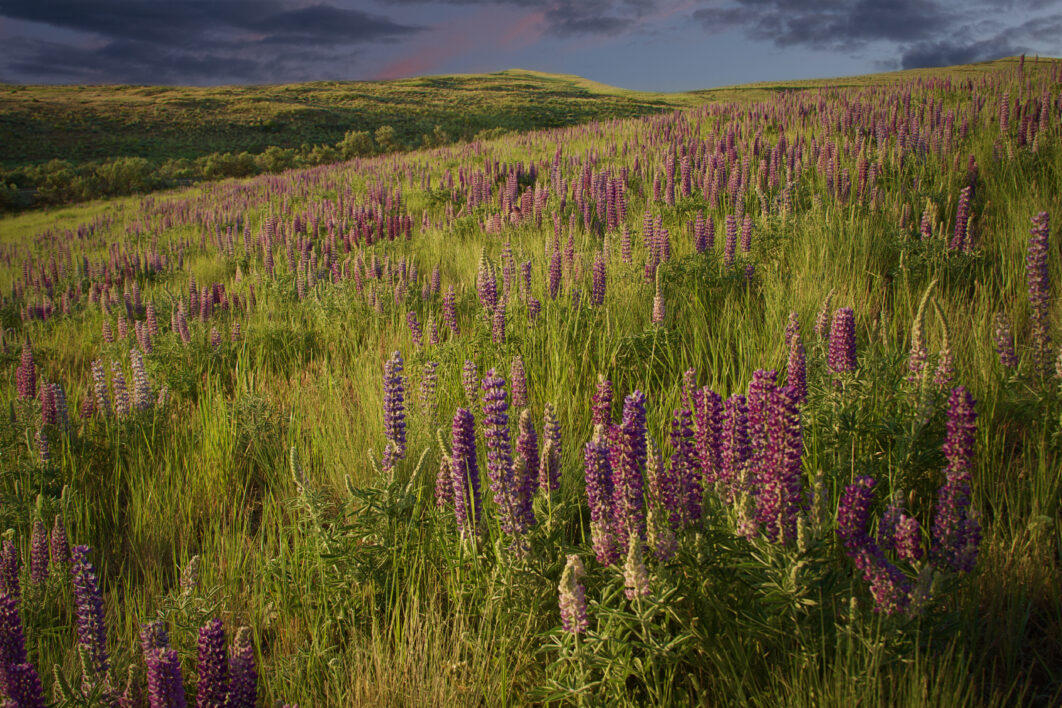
column 752, row 402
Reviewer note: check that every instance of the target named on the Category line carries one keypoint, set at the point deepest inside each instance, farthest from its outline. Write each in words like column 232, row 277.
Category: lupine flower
column 121, row 393
column 88, row 607
column 499, row 454
column 165, row 684
column 450, row 310
column 908, row 538
column 518, row 382
column 213, row 666
column 956, row 531
column 549, row 462
column 1039, row 290
column 26, row 374
column 601, row 406
column 842, row 355
column 12, row 638
column 792, row 328
column 635, row 574
column 597, row 291
column 960, row 240
column 708, row 418
column 58, row 544
column 497, row 330
column 470, row 382
column 526, row 465
column 99, row 383
column 888, row 586
column 629, row 471
column 23, row 686
column 734, row 446
column 776, row 461
column 48, row 414
column 142, row 396
column 730, row 246
column 9, row 564
column 685, row 469
column 553, row 284
column 243, row 679
column 1004, row 342
column 414, row 329
column 572, row 596
column 394, row 412
column 38, row 553
column 429, row 379
column 444, row 478
column 467, row 506
column 534, row 307
column 599, row 496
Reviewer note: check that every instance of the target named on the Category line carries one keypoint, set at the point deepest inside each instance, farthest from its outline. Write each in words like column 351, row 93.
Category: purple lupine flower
column 26, row 374
column 59, row 546
column 467, row 506
column 213, row 666
column 48, row 414
column 23, row 686
column 730, row 246
column 746, row 233
column 518, row 382
column 9, row 565
column 553, row 284
column 12, row 638
column 792, row 328
column 1039, row 291
column 572, row 596
column 394, row 412
column 777, row 445
column 165, row 684
column 601, row 404
column 534, row 307
column 38, row 553
column 433, row 331
column 796, row 370
column 1004, row 342
column 143, row 399
column 415, row 330
column 842, row 355
column 597, row 291
column 853, row 514
column 499, row 454
column 88, row 607
column 625, row 244
column 956, row 531
column 243, row 678
column 429, row 379
column 549, row 462
column 444, row 478
column 497, row 330
column 629, row 472
column 43, row 449
column 599, row 496
column 99, row 382
column 450, row 310
column 121, row 393
column 526, row 467
column 708, row 419
column 152, row 319
column 685, row 468
column 960, row 240
column 907, row 538
column 734, row 446
column 888, row 586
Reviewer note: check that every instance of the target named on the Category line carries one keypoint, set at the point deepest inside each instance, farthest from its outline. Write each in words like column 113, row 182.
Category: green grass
column 358, row 589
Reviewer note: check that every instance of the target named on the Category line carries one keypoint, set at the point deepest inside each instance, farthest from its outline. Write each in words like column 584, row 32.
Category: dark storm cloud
column 190, row 41
column 922, row 33
column 571, row 18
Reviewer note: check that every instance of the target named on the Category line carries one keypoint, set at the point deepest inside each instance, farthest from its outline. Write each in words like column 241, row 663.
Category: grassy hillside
column 751, row 403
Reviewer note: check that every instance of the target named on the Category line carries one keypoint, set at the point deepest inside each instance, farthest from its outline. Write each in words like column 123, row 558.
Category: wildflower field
column 756, row 402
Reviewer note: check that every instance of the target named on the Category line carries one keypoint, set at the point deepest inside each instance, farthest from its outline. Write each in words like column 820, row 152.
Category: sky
column 652, row 45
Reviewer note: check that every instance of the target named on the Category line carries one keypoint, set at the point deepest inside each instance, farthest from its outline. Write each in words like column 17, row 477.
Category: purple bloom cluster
column 1039, row 290
column 26, row 374
column 888, row 585
column 842, row 354
column 601, row 405
column 499, row 455
column 213, row 686
column 549, row 464
column 527, row 464
column 956, row 531
column 450, row 310
column 597, row 291
column 467, row 506
column 1004, row 342
column 629, row 472
column 599, row 495
column 394, row 391
column 572, row 597
column 777, row 441
column 88, row 607
column 518, row 382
